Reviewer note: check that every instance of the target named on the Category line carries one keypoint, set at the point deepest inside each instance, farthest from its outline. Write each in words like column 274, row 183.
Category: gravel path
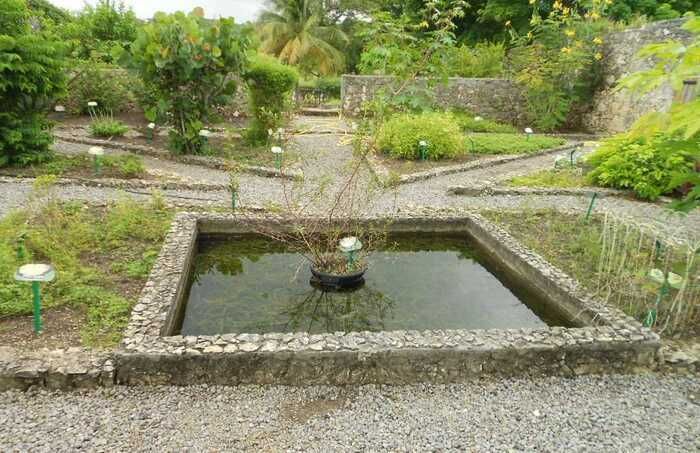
column 613, row 413
column 330, row 155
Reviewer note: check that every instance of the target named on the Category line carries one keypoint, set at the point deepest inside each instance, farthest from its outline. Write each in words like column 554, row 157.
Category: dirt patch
column 301, row 411
column 61, row 329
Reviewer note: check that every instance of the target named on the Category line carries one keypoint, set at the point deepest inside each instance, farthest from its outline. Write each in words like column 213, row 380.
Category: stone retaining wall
column 496, row 98
column 615, row 111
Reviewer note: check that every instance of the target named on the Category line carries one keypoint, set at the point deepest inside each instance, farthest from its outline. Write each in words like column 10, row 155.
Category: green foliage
column 645, row 165
column 31, row 76
column 411, row 44
column 484, row 59
column 510, row 143
column 470, row 122
column 119, row 166
column 557, row 62
column 294, row 31
column 188, row 62
column 612, row 259
column 100, row 32
column 106, row 126
column 270, row 84
column 565, row 178
column 107, row 85
column 400, row 136
column 679, row 128
column 87, row 238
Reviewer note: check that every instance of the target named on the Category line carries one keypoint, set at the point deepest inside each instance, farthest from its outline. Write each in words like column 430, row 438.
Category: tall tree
column 297, row 32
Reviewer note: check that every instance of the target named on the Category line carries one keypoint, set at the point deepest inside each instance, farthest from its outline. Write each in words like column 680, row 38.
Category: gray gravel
column 613, row 413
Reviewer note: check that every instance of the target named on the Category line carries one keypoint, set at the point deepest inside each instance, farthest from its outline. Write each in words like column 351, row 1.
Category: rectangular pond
column 249, row 284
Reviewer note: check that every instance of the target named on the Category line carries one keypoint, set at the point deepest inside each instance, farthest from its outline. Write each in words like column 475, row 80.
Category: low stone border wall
column 602, row 192
column 607, row 339
column 381, row 173
column 117, row 183
column 215, row 163
column 61, row 369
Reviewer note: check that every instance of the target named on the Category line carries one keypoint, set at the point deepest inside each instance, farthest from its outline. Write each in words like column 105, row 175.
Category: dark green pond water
column 247, row 284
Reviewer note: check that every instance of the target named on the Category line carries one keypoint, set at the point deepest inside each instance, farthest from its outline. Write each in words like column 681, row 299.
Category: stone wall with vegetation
column 615, row 111
column 495, row 98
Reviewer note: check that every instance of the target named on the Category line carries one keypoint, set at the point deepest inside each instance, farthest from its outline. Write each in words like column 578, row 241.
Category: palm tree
column 293, row 31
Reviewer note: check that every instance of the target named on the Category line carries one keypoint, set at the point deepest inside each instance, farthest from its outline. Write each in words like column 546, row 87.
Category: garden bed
column 101, row 256
column 612, row 261
column 81, row 166
column 227, row 148
column 394, row 171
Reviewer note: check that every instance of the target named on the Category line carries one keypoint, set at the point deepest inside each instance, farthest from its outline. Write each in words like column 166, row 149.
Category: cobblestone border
column 216, row 163
column 383, row 175
column 118, row 183
column 606, row 339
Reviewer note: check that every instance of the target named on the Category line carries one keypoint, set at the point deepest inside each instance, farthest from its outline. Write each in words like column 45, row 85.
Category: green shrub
column 188, row 64
column 31, row 76
column 469, row 122
column 329, row 86
column 645, row 165
column 107, row 85
column 129, row 166
column 108, row 127
column 483, row 60
column 270, row 84
column 400, row 136
column 510, row 143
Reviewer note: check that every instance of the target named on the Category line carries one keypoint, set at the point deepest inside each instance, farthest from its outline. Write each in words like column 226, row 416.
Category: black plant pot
column 337, row 282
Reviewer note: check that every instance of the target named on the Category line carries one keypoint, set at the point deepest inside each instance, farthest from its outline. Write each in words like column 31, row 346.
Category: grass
column 612, row 260
column 236, row 149
column 498, row 143
column 108, row 127
column 125, row 166
column 559, row 178
column 102, row 257
column 470, row 122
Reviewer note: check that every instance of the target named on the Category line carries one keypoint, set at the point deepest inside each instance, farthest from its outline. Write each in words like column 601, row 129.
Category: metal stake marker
column 277, row 151
column 423, row 149
column 97, row 152
column 36, row 273
column 590, row 207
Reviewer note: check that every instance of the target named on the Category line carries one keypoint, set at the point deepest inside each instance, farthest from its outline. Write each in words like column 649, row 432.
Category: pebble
column 588, row 413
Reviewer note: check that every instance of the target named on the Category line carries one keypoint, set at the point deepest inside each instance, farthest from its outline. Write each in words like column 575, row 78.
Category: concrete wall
column 615, row 111
column 495, row 98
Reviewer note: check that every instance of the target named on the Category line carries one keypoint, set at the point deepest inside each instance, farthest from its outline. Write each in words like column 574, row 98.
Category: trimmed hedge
column 400, row 136
column 270, row 84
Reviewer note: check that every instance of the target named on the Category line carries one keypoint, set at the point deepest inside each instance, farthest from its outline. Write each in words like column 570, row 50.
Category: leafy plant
column 646, row 165
column 557, row 61
column 107, row 85
column 107, row 126
column 270, row 84
column 31, row 76
column 188, row 63
column 679, row 128
column 401, row 135
column 484, row 59
column 294, row 32
column 99, row 32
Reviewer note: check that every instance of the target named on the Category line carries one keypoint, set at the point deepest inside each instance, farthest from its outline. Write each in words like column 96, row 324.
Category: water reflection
column 249, row 284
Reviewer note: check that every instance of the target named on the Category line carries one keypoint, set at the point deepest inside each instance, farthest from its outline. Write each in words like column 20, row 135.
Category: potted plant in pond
column 322, row 221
